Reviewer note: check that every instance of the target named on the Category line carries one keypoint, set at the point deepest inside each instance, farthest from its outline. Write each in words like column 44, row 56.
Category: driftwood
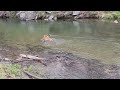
column 30, row 57
column 23, row 58
column 31, row 75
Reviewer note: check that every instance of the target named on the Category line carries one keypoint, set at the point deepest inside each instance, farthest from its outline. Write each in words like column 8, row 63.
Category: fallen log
column 24, row 57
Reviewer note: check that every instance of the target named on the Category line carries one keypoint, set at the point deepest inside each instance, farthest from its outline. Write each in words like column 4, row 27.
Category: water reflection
column 94, row 29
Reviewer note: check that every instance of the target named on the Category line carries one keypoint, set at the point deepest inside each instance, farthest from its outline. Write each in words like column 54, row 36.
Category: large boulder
column 4, row 14
column 27, row 15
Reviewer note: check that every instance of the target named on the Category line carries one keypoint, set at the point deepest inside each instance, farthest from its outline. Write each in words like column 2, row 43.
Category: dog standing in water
column 47, row 41
column 46, row 38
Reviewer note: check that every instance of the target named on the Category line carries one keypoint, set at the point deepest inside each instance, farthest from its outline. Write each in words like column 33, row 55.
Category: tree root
column 31, row 75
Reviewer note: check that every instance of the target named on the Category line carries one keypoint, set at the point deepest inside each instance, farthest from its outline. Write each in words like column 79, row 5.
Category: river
column 93, row 39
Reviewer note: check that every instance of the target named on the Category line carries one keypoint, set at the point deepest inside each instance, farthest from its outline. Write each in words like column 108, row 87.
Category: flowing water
column 92, row 39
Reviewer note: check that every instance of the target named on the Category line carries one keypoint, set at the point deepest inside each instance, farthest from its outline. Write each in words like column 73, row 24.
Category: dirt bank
column 64, row 65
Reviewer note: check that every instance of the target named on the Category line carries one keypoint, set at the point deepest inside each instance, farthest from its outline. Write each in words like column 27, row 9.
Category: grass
column 116, row 15
column 111, row 16
column 12, row 71
column 9, row 71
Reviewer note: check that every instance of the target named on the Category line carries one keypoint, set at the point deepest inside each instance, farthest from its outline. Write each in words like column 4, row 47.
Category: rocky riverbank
column 59, row 15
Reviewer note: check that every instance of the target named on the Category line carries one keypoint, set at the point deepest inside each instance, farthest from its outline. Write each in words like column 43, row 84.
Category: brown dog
column 46, row 38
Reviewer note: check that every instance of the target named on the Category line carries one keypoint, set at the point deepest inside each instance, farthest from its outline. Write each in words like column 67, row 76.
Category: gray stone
column 4, row 14
column 7, row 59
column 68, row 13
column 76, row 13
column 49, row 12
column 27, row 15
column 51, row 17
column 46, row 19
column 55, row 18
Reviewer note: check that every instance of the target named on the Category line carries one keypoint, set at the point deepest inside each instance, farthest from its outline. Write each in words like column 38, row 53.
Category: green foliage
column 14, row 69
column 10, row 71
column 110, row 15
column 28, row 68
column 116, row 15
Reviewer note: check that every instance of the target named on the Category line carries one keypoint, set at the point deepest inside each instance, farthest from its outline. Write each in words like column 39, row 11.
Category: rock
column 30, row 15
column 18, row 13
column 1, row 13
column 59, row 15
column 55, row 18
column 22, row 16
column 19, row 58
column 87, row 14
column 4, row 14
column 7, row 59
column 68, row 13
column 49, row 12
column 27, row 15
column 75, row 13
column 51, row 17
column 46, row 19
column 23, row 55
column 115, row 21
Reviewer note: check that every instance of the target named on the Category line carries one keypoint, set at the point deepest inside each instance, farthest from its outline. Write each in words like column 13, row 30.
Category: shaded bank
column 59, row 15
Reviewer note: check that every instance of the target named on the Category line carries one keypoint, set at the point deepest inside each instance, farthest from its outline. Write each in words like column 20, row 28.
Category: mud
column 64, row 65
